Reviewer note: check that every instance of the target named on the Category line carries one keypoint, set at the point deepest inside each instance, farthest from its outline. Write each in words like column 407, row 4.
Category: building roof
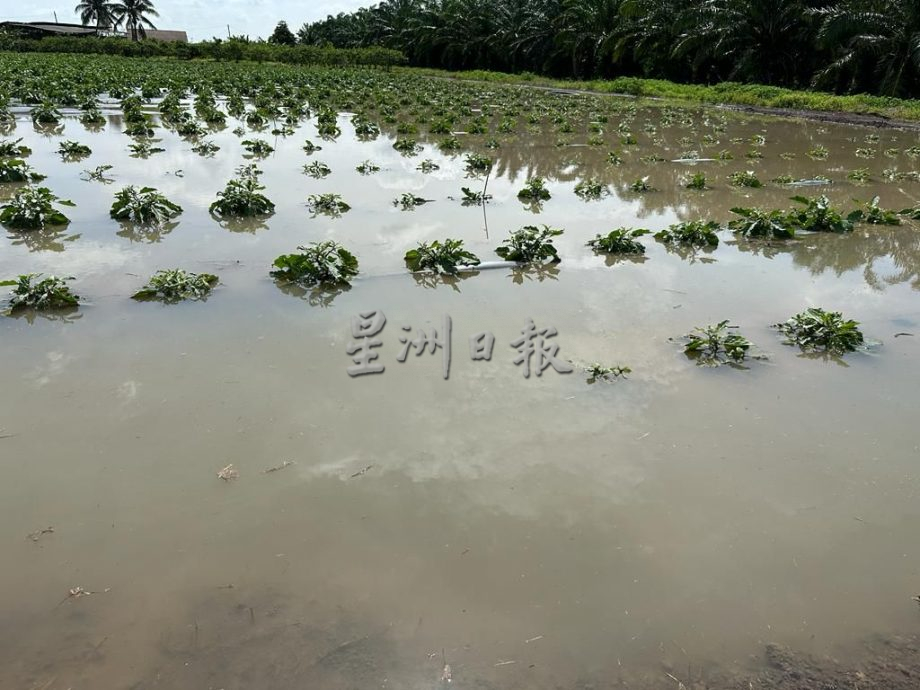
column 53, row 28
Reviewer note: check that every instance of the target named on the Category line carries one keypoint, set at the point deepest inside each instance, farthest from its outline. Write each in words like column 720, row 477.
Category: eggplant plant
column 715, row 345
column 12, row 148
column 762, row 224
column 447, row 257
column 145, row 206
column 534, row 190
column 242, row 196
column 619, row 241
column 327, row 204
column 695, row 233
column 408, row 202
column 73, row 150
column 17, row 170
column 48, row 293
column 817, row 330
column 33, row 208
column 174, row 285
column 530, row 244
column 321, row 263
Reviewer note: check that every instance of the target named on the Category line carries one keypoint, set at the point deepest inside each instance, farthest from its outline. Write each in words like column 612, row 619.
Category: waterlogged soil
column 715, row 528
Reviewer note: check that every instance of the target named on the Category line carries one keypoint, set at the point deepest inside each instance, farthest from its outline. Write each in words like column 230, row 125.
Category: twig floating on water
column 228, row 473
column 286, row 463
column 360, row 472
column 505, row 663
column 39, row 533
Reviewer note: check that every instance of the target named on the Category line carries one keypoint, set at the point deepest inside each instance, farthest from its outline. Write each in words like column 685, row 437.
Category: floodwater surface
column 537, row 532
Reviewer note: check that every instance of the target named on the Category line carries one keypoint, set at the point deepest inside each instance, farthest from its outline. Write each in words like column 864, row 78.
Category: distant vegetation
column 849, row 46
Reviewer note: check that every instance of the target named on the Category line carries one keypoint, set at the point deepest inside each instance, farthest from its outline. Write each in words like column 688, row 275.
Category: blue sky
column 201, row 18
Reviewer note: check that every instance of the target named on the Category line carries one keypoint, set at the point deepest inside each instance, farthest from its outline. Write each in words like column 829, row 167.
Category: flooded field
column 665, row 528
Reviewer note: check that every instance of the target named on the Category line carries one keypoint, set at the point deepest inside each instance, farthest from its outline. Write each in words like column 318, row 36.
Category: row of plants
column 328, row 264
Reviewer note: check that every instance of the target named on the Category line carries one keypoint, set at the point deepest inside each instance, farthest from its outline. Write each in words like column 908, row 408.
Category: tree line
column 843, row 46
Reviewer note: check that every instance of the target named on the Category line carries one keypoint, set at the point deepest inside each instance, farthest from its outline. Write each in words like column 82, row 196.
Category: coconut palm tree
column 95, row 11
column 134, row 15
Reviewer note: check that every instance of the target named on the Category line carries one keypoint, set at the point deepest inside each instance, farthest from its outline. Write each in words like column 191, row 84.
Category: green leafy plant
column 872, row 214
column 174, row 285
column 598, row 372
column 471, row 198
column 17, row 170
column 143, row 149
column 819, row 216
column 641, row 185
column 98, row 174
column 407, row 147
column 73, row 150
column 145, row 206
column 477, row 164
column 817, row 330
column 745, row 178
column 367, row 168
column 12, row 148
column 859, row 176
column 257, row 147
column 408, row 202
column 327, row 204
column 33, row 208
column 762, row 224
column 440, row 257
column 696, row 233
column 715, row 345
column 317, row 170
column 320, row 263
column 591, row 188
column 818, row 152
column 206, row 148
column 530, row 244
column 534, row 190
column 45, row 114
column 696, row 181
column 620, row 241
column 49, row 293
column 311, row 148
column 912, row 213
column 243, row 196
column 428, row 166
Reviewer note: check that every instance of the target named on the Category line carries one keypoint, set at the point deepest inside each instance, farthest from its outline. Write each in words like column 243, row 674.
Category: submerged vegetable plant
column 257, row 147
column 819, row 216
column 367, row 168
column 592, row 188
column 408, row 202
column 98, row 174
column 145, row 205
column 243, row 196
column 697, row 181
column 715, row 345
column 762, row 224
column 872, row 214
column 696, row 233
column 440, row 257
column 73, row 150
column 817, row 330
column 317, row 170
column 12, row 148
column 598, row 372
column 620, row 241
column 33, row 208
column 534, row 190
column 174, row 285
column 745, row 178
column 530, row 244
column 49, row 293
column 327, row 204
column 642, row 185
column 17, row 170
column 321, row 263
column 471, row 198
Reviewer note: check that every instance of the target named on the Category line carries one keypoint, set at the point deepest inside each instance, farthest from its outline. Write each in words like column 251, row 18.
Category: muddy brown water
column 536, row 533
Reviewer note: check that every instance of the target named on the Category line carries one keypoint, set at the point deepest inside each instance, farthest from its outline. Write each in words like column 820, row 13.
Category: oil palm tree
column 876, row 43
column 98, row 12
column 134, row 14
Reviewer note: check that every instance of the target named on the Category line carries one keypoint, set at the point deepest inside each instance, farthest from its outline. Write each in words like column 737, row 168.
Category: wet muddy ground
column 715, row 528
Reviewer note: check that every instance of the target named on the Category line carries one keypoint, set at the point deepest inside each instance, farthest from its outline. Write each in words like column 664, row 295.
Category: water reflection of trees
column 863, row 249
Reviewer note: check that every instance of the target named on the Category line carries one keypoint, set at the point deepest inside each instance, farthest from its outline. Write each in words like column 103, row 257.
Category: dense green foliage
column 715, row 345
column 440, row 257
column 620, row 241
column 174, row 285
column 817, row 330
column 49, row 293
column 530, row 244
column 322, row 263
column 853, row 45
